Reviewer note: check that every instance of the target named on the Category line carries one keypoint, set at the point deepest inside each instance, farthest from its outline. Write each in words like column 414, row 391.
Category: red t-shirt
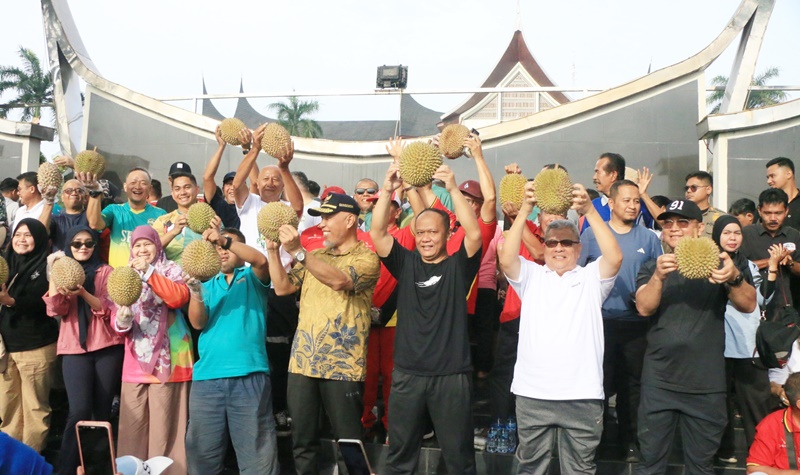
column 769, row 446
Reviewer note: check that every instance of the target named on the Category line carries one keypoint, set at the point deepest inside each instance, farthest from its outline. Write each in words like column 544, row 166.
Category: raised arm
column 489, row 207
column 290, row 187
column 609, row 248
column 280, row 280
column 257, row 260
column 210, row 173
column 381, row 238
column 508, row 256
column 240, row 191
column 464, row 212
column 329, row 275
column 645, row 177
column 94, row 207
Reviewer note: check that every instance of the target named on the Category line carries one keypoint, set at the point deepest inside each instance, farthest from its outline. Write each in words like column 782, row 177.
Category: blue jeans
column 241, row 407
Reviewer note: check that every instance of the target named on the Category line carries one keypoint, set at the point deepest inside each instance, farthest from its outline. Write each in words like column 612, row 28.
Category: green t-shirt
column 122, row 220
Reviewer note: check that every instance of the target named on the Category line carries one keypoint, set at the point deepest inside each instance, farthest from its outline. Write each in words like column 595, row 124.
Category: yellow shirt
column 332, row 329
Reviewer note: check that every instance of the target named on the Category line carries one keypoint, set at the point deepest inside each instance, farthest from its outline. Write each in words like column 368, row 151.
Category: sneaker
column 115, row 407
column 429, row 435
column 480, row 439
column 731, row 460
column 283, row 424
column 631, row 456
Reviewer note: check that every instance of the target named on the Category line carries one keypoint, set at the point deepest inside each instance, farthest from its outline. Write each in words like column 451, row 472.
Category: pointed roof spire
column 518, row 26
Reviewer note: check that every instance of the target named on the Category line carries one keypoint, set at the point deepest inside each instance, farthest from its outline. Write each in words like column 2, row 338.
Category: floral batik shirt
column 331, row 337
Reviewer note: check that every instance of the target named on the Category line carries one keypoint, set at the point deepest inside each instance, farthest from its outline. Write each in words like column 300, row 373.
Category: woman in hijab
column 29, row 335
column 158, row 360
column 749, row 381
column 92, row 361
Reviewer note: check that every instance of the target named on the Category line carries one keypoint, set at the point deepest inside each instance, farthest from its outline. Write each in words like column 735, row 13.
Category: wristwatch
column 95, row 194
column 736, row 282
column 300, row 256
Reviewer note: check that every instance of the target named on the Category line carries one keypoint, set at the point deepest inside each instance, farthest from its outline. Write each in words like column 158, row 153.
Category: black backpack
column 775, row 337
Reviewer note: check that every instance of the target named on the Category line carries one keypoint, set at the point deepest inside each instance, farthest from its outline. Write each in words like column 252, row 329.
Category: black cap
column 229, row 177
column 334, row 203
column 8, row 184
column 180, row 168
column 684, row 208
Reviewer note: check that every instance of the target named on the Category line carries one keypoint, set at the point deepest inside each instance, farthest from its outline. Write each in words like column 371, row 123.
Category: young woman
column 747, row 379
column 30, row 337
column 92, row 361
column 157, row 367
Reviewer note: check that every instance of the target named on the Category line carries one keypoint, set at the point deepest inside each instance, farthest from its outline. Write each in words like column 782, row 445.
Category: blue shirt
column 601, row 205
column 233, row 342
column 638, row 245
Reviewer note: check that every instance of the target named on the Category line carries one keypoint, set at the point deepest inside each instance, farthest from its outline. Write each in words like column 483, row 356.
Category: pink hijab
column 149, row 333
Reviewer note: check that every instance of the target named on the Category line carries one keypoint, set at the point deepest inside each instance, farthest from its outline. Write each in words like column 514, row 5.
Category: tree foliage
column 32, row 86
column 755, row 99
column 294, row 116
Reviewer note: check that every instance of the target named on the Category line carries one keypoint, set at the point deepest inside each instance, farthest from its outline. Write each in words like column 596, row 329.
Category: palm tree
column 294, row 117
column 33, row 86
column 755, row 99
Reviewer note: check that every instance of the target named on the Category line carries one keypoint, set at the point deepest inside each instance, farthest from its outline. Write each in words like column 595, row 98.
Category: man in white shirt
column 560, row 319
column 30, row 199
column 8, row 187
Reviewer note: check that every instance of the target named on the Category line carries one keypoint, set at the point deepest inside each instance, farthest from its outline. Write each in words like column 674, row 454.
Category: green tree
column 294, row 117
column 755, row 99
column 32, row 85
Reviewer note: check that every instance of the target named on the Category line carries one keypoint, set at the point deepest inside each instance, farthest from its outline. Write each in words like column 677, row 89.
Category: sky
column 164, row 48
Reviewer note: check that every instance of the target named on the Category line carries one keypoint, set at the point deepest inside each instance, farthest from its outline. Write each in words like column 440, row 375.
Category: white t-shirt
column 308, row 221
column 248, row 217
column 23, row 212
column 11, row 209
column 560, row 352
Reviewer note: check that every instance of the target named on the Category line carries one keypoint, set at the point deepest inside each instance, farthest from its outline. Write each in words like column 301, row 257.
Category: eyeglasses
column 565, row 243
column 693, row 188
column 361, row 191
column 69, row 191
column 682, row 223
column 79, row 244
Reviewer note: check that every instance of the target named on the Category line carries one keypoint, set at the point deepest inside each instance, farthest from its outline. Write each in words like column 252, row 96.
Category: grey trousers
column 577, row 426
column 448, row 400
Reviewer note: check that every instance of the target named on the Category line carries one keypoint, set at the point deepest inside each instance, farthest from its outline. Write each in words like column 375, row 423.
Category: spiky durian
column 697, row 257
column 3, row 270
column 66, row 272
column 419, row 162
column 275, row 140
column 89, row 161
column 124, row 286
column 451, row 141
column 49, row 175
column 199, row 217
column 512, row 188
column 200, row 260
column 274, row 215
column 229, row 130
column 553, row 191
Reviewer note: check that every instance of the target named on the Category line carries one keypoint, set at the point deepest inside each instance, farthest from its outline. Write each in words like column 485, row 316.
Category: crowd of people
column 417, row 290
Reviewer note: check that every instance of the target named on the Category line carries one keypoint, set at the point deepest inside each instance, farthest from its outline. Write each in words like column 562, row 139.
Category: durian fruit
column 49, row 175
column 451, row 141
column 199, row 217
column 697, row 257
column 201, row 260
column 419, row 162
column 89, row 161
column 275, row 139
column 553, row 191
column 124, row 286
column 274, row 215
column 512, row 189
column 67, row 273
column 3, row 270
column 229, row 130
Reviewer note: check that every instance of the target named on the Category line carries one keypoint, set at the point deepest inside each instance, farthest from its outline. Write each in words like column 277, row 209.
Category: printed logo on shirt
column 430, row 282
column 35, row 275
column 641, row 250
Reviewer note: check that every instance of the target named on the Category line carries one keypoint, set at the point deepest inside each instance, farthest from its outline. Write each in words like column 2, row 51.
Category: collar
column 604, row 200
column 548, row 270
column 762, row 230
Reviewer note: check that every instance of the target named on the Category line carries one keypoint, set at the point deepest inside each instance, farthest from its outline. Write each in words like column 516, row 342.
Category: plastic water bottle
column 512, row 435
column 492, row 438
column 502, row 438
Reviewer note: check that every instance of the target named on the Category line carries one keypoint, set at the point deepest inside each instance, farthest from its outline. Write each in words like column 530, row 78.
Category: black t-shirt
column 793, row 217
column 431, row 337
column 686, row 339
column 60, row 224
column 226, row 211
column 26, row 326
column 167, row 203
column 755, row 246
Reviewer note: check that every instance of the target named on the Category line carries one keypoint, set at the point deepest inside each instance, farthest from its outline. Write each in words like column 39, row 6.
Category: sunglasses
column 361, row 191
column 79, row 244
column 69, row 191
column 693, row 188
column 565, row 243
column 669, row 223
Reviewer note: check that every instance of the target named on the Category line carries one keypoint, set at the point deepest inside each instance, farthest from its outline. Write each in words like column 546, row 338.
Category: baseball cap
column 683, row 208
column 375, row 197
column 334, row 203
column 472, row 188
column 229, row 177
column 180, row 168
column 332, row 189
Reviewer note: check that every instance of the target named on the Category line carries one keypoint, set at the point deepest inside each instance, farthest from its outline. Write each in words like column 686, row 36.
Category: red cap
column 331, row 189
column 472, row 188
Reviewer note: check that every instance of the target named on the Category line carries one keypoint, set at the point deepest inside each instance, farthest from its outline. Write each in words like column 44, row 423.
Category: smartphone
column 355, row 457
column 96, row 447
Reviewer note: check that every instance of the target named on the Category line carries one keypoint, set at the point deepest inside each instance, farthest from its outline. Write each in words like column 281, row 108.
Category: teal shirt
column 122, row 220
column 233, row 342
